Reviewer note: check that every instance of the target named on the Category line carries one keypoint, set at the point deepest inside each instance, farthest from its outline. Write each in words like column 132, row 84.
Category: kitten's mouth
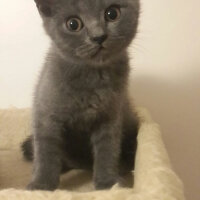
column 100, row 49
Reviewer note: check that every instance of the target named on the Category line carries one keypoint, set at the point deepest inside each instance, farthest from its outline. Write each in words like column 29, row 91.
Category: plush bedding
column 154, row 178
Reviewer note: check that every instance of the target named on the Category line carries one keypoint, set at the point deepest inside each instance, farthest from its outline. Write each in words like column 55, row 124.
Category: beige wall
column 165, row 75
column 166, row 79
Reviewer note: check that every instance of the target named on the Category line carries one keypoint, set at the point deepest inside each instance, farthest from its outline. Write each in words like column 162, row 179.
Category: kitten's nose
column 100, row 39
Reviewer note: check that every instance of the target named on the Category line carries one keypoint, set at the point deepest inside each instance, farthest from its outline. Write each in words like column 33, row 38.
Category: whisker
column 86, row 51
column 91, row 52
column 83, row 46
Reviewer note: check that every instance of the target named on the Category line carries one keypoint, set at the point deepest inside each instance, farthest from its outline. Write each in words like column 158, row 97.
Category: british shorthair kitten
column 82, row 118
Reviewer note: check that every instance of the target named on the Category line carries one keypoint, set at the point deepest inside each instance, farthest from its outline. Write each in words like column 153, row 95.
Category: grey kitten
column 82, row 118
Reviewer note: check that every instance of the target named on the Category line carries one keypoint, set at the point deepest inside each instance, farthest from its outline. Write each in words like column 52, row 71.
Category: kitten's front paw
column 39, row 186
column 103, row 184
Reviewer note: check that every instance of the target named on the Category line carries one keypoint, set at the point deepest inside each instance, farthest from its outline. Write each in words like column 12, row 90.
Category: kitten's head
column 91, row 30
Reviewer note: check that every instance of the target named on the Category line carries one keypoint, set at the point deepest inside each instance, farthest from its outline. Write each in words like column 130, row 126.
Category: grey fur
column 81, row 112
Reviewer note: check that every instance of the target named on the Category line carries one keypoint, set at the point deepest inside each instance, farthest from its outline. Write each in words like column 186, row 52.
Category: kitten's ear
column 45, row 7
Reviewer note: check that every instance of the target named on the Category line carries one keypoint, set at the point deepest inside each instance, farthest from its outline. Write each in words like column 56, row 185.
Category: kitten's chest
column 85, row 98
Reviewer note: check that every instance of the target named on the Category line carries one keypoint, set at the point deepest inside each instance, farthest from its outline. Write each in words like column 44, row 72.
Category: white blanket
column 154, row 177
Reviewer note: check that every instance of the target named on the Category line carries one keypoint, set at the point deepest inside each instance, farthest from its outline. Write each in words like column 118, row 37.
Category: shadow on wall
column 176, row 107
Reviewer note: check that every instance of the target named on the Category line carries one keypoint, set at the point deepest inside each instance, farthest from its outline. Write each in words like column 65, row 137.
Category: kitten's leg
column 47, row 157
column 126, row 179
column 128, row 147
column 106, row 147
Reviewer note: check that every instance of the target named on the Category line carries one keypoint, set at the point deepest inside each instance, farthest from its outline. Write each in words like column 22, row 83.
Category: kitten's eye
column 112, row 13
column 74, row 24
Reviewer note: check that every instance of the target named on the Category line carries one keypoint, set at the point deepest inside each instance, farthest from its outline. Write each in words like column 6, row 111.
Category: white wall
column 22, row 47
column 165, row 78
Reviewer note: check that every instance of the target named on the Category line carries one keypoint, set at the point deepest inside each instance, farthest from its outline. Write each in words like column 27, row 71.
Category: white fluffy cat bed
column 154, row 177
